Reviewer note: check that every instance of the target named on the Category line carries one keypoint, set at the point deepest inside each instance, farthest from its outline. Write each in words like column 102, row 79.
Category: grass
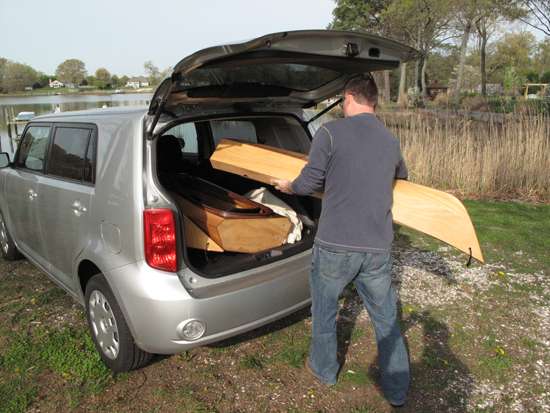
column 508, row 228
column 69, row 353
column 48, row 367
column 355, row 374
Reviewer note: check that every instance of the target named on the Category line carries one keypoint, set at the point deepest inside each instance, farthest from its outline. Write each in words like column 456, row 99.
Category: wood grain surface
column 430, row 211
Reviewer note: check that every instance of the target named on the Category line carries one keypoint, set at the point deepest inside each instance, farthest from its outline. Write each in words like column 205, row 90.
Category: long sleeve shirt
column 354, row 161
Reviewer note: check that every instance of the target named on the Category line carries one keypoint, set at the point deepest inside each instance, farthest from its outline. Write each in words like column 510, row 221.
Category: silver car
column 86, row 198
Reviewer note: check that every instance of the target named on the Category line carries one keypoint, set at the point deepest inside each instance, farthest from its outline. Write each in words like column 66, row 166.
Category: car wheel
column 7, row 246
column 110, row 333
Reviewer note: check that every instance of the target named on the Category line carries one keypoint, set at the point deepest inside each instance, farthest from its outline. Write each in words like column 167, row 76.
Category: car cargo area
column 184, row 171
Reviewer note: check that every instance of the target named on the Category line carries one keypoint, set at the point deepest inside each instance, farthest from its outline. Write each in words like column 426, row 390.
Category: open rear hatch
column 297, row 68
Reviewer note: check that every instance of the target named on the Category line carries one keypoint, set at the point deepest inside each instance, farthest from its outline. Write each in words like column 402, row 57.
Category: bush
column 441, row 100
column 475, row 103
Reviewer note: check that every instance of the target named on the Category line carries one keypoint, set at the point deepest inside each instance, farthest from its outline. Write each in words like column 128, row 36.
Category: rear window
column 292, row 76
column 233, row 129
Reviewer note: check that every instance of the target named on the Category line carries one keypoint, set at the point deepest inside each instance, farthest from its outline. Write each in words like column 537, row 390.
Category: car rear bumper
column 155, row 303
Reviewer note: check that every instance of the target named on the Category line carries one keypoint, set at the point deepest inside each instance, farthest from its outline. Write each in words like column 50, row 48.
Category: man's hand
column 282, row 185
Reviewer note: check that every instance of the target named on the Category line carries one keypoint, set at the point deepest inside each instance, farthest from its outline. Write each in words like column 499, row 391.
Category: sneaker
column 397, row 405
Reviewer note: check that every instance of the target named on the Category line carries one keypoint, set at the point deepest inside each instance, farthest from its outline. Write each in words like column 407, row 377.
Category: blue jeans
column 331, row 271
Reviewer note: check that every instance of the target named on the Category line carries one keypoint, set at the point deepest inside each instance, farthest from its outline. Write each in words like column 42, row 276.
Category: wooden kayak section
column 220, row 220
column 433, row 212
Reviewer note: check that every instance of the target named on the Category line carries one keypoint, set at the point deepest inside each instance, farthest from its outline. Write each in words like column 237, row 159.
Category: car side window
column 33, row 148
column 68, row 153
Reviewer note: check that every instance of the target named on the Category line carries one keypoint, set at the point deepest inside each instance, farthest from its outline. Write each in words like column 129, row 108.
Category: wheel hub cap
column 3, row 236
column 104, row 324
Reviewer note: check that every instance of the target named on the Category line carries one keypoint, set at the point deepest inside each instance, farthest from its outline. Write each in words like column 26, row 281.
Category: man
column 354, row 161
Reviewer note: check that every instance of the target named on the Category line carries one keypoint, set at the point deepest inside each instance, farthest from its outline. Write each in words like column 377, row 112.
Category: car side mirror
column 4, row 159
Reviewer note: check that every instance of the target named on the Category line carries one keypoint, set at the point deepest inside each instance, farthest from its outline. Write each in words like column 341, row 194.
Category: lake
column 47, row 104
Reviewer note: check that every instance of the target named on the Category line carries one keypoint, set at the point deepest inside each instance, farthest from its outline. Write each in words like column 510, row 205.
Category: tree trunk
column 378, row 80
column 417, row 74
column 462, row 61
column 402, row 98
column 483, row 61
column 387, row 91
column 423, row 85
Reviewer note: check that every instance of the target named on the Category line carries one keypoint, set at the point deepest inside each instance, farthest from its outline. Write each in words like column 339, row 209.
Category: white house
column 137, row 82
column 56, row 84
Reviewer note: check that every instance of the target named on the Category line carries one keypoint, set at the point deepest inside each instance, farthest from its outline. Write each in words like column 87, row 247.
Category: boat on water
column 16, row 126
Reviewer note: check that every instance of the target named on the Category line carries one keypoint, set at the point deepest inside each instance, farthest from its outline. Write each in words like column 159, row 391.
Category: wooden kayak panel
column 255, row 228
column 433, row 212
column 197, row 238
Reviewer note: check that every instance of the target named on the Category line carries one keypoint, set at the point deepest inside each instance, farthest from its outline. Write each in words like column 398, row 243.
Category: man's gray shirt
column 354, row 161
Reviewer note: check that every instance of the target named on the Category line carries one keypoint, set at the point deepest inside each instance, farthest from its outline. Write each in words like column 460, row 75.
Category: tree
column 103, row 75
column 467, row 13
column 512, row 80
column 3, row 62
column 357, row 15
column 17, row 76
column 541, row 60
column 490, row 14
column 443, row 63
column 44, row 79
column 153, row 72
column 115, row 81
column 363, row 15
column 123, row 80
column 71, row 71
column 424, row 24
column 537, row 14
column 515, row 50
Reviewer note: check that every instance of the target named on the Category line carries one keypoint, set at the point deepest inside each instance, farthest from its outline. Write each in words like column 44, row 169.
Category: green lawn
column 482, row 350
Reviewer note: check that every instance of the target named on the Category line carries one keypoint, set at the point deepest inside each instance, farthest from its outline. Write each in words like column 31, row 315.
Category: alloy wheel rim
column 3, row 236
column 104, row 324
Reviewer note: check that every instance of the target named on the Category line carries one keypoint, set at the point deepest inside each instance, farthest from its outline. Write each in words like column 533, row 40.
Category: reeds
column 505, row 157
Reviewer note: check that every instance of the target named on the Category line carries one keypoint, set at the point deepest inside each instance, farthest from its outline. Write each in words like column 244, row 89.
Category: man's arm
column 312, row 176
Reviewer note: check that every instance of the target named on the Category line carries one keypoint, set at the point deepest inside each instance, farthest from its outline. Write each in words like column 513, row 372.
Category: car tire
column 110, row 333
column 7, row 246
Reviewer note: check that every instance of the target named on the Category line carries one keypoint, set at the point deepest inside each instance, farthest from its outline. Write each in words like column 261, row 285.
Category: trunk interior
column 185, row 149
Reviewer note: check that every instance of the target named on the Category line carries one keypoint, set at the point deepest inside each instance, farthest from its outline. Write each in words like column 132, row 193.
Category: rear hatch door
column 297, row 68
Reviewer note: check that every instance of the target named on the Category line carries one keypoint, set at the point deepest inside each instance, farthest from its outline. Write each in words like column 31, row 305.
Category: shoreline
column 97, row 92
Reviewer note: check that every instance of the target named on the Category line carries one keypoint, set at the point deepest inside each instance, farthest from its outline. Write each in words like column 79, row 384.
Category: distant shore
column 61, row 92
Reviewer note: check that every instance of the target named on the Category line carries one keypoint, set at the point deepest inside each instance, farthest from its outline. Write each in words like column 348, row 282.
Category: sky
column 121, row 35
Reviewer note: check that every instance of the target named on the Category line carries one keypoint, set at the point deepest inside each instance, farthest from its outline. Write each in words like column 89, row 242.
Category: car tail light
column 160, row 239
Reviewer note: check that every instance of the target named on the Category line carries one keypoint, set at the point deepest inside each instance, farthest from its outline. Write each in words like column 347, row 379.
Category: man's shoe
column 397, row 405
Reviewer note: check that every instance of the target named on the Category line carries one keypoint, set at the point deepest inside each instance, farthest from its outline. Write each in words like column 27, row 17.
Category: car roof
column 91, row 114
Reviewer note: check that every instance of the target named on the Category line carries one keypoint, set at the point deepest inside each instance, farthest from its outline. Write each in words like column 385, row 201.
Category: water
column 47, row 104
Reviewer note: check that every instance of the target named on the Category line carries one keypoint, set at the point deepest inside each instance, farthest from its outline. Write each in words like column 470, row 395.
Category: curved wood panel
column 424, row 209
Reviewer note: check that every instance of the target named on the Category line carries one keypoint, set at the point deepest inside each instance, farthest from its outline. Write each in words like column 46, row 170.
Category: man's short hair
column 363, row 88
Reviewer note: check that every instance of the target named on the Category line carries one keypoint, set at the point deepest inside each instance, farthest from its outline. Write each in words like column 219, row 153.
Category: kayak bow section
column 430, row 211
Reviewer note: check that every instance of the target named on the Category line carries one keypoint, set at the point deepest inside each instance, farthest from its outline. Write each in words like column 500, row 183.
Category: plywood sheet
column 424, row 209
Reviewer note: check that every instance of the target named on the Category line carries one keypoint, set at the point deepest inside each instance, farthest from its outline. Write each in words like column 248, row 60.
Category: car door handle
column 78, row 208
column 31, row 193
